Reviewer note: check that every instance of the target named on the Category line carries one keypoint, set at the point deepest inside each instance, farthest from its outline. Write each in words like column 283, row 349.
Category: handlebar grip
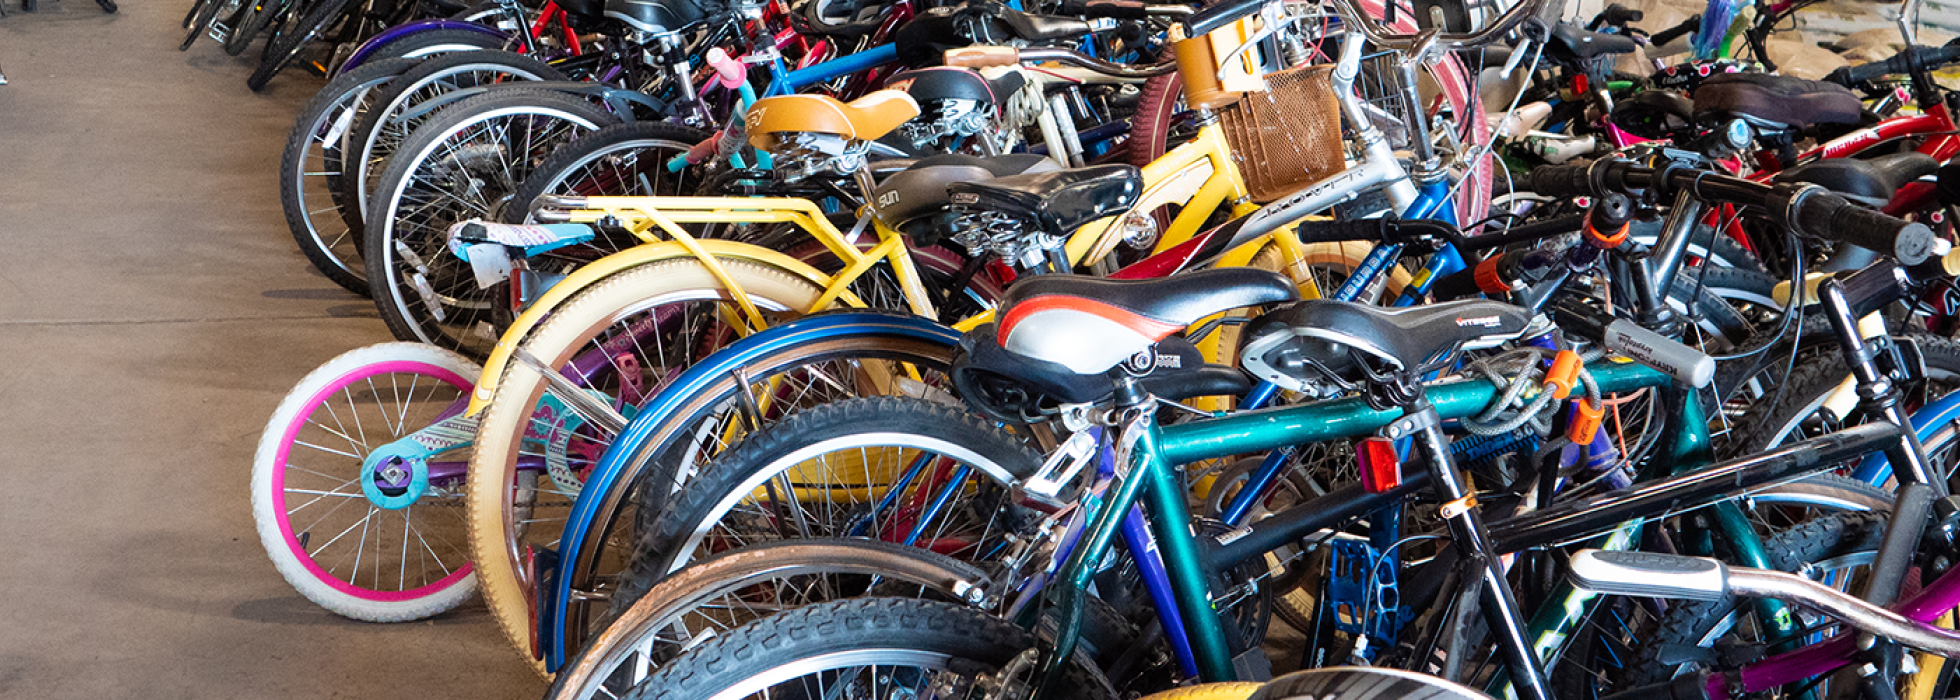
column 1563, row 180
column 1342, row 231
column 1928, row 57
column 1113, row 9
column 983, row 56
column 1675, row 32
column 1826, row 215
column 1219, row 15
column 1616, row 15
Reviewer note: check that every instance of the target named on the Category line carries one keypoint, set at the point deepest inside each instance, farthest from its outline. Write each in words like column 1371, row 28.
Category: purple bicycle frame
column 1840, row 650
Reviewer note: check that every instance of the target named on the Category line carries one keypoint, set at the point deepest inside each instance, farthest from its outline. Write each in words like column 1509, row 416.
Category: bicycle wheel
column 207, row 12
column 292, row 39
column 395, row 116
column 1692, row 635
column 342, row 534
column 257, row 15
column 867, row 467
column 734, row 588
column 1794, row 409
column 628, row 333
column 619, row 160
column 861, row 648
column 464, row 163
column 435, row 42
column 329, row 232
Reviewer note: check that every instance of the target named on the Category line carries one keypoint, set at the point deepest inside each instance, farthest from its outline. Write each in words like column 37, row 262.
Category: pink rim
column 279, row 483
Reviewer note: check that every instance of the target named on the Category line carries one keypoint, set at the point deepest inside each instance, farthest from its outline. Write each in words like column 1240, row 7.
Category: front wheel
column 627, row 336
column 311, row 494
column 864, row 648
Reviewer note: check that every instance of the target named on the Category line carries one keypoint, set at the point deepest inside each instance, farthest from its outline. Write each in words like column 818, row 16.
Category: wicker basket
column 1289, row 136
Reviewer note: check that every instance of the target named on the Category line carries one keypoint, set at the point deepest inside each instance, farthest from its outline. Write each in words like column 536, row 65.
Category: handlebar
column 1122, row 9
column 991, row 56
column 1807, row 208
column 555, row 208
column 1913, row 58
column 1224, row 13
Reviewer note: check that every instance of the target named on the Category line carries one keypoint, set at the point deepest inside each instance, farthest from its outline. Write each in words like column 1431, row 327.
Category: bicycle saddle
column 947, row 83
column 1871, row 182
column 1042, row 28
column 1058, row 202
column 1297, row 344
column 1655, row 114
column 866, row 118
column 1780, row 100
column 1571, row 41
column 915, row 202
column 657, row 16
column 1015, row 388
column 1090, row 324
column 583, row 8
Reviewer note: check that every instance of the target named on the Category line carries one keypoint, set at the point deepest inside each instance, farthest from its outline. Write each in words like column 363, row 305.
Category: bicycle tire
column 495, row 544
column 691, row 432
column 434, row 298
column 930, row 632
column 336, row 254
column 624, row 153
column 286, row 46
column 320, row 576
column 713, row 495
column 207, row 12
column 383, row 128
column 634, row 642
column 1802, row 395
column 1689, row 624
column 257, row 16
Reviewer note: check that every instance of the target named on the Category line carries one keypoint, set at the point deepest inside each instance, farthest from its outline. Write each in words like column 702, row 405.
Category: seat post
column 1421, row 423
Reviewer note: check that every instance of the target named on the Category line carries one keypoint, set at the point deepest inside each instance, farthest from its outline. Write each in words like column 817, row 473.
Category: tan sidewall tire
column 569, row 328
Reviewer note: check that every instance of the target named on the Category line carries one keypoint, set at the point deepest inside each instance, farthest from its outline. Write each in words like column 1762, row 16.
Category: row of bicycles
column 1107, row 348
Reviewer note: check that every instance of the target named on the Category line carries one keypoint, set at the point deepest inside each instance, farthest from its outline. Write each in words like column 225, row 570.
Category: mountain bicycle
column 1387, row 346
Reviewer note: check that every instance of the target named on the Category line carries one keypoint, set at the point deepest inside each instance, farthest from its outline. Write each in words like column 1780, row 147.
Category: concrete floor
column 153, row 311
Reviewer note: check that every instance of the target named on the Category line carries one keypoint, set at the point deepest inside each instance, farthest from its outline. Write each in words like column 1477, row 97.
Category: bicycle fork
column 1459, row 511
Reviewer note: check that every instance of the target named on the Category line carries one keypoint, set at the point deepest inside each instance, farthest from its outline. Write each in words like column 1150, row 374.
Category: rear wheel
column 327, row 231
column 291, row 40
column 864, row 648
column 361, row 542
column 393, row 116
column 462, row 164
column 630, row 334
column 719, row 595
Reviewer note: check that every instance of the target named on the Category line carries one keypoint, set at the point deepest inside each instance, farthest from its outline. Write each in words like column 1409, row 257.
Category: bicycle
column 1191, row 576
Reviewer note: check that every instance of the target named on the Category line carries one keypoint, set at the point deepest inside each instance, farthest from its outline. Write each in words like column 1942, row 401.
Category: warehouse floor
column 153, row 310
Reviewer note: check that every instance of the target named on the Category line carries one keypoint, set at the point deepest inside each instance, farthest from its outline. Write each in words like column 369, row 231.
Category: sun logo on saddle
column 755, row 116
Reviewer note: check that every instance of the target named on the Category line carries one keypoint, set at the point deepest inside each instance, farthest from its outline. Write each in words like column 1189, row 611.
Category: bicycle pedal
column 1650, row 575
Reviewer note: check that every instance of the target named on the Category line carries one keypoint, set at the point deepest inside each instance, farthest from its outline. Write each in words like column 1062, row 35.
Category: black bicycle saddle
column 1058, row 202
column 914, row 201
column 1870, row 181
column 1290, row 345
column 1777, row 99
column 1091, row 324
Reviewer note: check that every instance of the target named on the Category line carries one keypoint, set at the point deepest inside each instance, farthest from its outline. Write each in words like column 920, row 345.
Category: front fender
column 1877, row 469
column 367, row 48
column 590, row 274
column 626, row 460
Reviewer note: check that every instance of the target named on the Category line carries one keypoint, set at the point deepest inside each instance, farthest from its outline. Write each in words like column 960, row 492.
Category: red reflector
column 1380, row 469
column 1579, row 83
